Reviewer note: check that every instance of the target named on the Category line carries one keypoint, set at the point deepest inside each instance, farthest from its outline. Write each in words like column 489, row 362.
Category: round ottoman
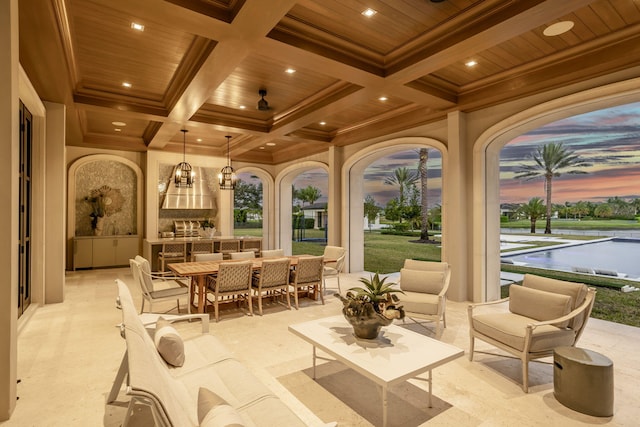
column 583, row 381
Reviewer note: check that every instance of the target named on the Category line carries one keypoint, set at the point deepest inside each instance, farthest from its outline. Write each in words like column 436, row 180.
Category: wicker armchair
column 307, row 275
column 272, row 280
column 233, row 280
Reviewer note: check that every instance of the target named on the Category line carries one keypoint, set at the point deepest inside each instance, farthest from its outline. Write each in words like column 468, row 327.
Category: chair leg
column 260, row 303
column 215, row 306
column 471, row 343
column 295, row 296
column 288, row 299
column 250, row 303
column 117, row 383
column 525, row 375
column 338, row 277
column 142, row 306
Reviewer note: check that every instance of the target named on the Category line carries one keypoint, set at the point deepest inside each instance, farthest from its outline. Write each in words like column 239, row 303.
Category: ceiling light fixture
column 263, row 105
column 558, row 28
column 227, row 176
column 323, row 123
column 137, row 27
column 118, row 123
column 289, row 71
column 369, row 12
column 382, row 98
column 126, row 84
column 184, row 173
column 471, row 63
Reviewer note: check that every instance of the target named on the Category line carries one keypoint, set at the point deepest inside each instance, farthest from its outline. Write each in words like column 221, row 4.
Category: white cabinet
column 104, row 251
column 82, row 253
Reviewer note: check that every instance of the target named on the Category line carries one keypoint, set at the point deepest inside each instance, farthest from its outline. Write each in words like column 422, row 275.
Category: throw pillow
column 426, row 282
column 538, row 305
column 214, row 411
column 169, row 343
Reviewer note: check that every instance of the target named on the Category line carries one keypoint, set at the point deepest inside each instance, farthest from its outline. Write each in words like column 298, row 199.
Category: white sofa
column 172, row 392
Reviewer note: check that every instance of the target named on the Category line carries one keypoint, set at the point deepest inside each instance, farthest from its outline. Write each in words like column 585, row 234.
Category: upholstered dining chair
column 171, row 290
column 542, row 314
column 208, row 257
column 272, row 280
column 233, row 280
column 242, row 255
column 172, row 252
column 200, row 247
column 307, row 274
column 424, row 286
column 228, row 246
column 332, row 269
column 272, row 253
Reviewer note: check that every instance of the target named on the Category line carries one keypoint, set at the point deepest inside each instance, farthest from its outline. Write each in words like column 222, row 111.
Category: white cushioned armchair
column 542, row 314
column 425, row 285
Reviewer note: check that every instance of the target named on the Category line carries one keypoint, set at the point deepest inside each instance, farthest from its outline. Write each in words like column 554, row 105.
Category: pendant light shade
column 227, row 176
column 184, row 172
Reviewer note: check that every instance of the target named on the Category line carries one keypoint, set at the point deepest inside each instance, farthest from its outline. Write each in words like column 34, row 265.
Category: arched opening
column 284, row 201
column 486, row 238
column 354, row 190
column 254, row 178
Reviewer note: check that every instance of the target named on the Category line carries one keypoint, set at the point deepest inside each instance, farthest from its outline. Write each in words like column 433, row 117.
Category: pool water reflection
column 614, row 255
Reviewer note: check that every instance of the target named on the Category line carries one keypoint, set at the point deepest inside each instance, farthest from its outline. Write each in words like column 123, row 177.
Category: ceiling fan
column 263, row 105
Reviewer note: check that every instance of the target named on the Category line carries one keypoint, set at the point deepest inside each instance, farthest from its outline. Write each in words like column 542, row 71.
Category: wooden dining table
column 198, row 272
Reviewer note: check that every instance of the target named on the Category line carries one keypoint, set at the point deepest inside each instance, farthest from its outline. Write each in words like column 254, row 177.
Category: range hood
column 197, row 196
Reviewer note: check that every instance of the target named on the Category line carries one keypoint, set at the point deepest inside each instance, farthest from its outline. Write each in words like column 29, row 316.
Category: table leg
column 430, row 389
column 314, row 362
column 201, row 281
column 384, row 405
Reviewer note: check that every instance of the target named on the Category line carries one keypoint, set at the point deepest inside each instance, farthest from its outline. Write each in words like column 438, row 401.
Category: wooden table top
column 202, row 268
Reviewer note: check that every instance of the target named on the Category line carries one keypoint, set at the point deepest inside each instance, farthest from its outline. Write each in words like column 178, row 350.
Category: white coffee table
column 395, row 356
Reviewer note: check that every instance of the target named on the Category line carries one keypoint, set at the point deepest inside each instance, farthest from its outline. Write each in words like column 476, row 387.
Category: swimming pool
column 613, row 255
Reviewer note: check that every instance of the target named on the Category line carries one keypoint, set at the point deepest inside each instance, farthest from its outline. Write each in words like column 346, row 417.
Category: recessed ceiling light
column 558, row 28
column 289, row 71
column 271, row 144
column 242, row 107
column 471, row 63
column 323, row 123
column 118, row 130
column 382, row 98
column 126, row 84
column 369, row 12
column 137, row 27
column 199, row 139
column 262, row 148
column 118, row 123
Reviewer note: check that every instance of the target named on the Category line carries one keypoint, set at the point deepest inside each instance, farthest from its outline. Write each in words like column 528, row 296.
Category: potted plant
column 371, row 306
column 208, row 228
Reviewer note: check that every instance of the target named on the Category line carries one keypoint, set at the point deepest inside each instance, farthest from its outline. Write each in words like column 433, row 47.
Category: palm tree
column 402, row 177
column 534, row 209
column 424, row 207
column 548, row 161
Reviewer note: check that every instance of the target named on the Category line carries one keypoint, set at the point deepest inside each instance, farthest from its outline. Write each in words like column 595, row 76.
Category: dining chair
column 208, row 257
column 333, row 268
column 252, row 245
column 272, row 253
column 242, row 255
column 233, row 279
column 200, row 247
column 272, row 280
column 307, row 274
column 172, row 252
column 172, row 288
column 228, row 246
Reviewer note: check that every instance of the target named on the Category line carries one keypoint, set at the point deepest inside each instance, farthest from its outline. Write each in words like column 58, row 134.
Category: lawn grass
column 585, row 224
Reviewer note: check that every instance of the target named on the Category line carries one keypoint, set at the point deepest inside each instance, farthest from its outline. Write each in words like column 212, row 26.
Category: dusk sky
column 608, row 139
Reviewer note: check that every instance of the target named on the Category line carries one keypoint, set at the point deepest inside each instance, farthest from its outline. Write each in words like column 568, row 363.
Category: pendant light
column 184, row 173
column 227, row 176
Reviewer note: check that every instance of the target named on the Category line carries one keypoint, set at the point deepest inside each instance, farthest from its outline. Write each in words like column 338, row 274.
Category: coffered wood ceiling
column 198, row 61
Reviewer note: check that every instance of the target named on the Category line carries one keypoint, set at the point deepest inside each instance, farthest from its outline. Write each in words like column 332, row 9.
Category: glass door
column 24, row 222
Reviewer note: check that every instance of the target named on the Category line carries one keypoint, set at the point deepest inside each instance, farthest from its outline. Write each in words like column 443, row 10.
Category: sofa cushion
column 169, row 343
column 577, row 291
column 429, row 282
column 510, row 329
column 416, row 302
column 538, row 305
column 214, row 411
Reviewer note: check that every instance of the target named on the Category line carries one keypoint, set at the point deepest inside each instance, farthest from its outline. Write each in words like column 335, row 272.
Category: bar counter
column 151, row 247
